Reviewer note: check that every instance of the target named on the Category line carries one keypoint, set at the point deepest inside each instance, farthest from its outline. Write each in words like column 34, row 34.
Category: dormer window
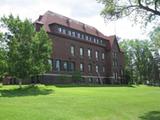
column 90, row 38
column 64, row 31
column 73, row 34
column 101, row 42
column 59, row 29
column 82, row 36
column 97, row 41
column 86, row 37
column 78, row 35
column 94, row 40
column 69, row 32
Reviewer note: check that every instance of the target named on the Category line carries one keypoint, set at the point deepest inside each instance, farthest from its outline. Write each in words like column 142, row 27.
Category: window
column 69, row 32
column 116, row 62
column 71, row 66
column 89, row 53
column 81, row 67
column 113, row 62
column 78, row 35
column 90, row 38
column 97, row 69
column 73, row 34
column 103, row 69
column 81, row 52
column 72, row 50
column 86, row 37
column 97, row 41
column 94, row 40
column 101, row 42
column 89, row 68
column 114, row 75
column 65, row 66
column 64, row 31
column 102, row 56
column 90, row 80
column 59, row 29
column 96, row 54
column 57, row 65
column 82, row 36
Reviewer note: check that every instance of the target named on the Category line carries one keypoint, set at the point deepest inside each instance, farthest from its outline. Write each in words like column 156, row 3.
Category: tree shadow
column 153, row 115
column 25, row 91
column 91, row 85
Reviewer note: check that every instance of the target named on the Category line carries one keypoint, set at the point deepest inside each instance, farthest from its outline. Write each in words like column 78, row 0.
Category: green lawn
column 79, row 103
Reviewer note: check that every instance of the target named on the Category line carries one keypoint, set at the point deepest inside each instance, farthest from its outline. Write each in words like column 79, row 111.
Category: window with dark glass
column 97, row 69
column 81, row 67
column 103, row 69
column 90, row 38
column 73, row 34
column 97, row 41
column 89, row 68
column 89, row 53
column 69, row 32
column 57, row 65
column 65, row 66
column 59, row 29
column 82, row 36
column 64, row 31
column 71, row 66
column 81, row 52
column 102, row 56
column 101, row 42
column 78, row 35
column 97, row 55
column 94, row 40
column 72, row 50
column 86, row 37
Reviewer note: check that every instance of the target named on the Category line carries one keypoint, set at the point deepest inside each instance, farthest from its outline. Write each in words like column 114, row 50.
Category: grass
column 70, row 102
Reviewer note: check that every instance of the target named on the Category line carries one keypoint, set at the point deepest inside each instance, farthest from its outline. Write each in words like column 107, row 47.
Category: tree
column 155, row 37
column 28, row 50
column 3, row 58
column 41, row 52
column 139, row 60
column 143, row 10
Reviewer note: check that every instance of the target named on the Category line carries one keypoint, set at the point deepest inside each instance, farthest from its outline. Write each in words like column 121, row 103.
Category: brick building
column 80, row 47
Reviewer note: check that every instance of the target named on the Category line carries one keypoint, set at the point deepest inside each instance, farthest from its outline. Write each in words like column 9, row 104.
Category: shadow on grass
column 153, row 115
column 90, row 85
column 25, row 91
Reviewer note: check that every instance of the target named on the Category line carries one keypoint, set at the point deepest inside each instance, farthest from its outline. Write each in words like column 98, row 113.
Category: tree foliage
column 155, row 37
column 141, row 10
column 28, row 50
column 41, row 52
column 3, row 58
column 140, row 63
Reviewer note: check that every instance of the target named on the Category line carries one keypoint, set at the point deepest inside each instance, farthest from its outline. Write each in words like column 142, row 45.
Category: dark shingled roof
column 50, row 18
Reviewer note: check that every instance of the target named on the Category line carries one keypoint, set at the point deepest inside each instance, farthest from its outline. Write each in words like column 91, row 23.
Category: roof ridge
column 76, row 21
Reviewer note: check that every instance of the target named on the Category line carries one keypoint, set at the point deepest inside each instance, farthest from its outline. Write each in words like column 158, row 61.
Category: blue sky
column 87, row 11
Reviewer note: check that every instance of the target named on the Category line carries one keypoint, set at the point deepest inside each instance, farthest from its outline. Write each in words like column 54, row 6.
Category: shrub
column 76, row 76
column 63, row 78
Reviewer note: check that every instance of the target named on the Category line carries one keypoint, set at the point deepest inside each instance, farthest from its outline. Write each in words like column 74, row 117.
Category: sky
column 86, row 11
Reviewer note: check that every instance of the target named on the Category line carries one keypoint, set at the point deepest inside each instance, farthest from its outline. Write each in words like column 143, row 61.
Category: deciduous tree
column 28, row 50
column 141, row 10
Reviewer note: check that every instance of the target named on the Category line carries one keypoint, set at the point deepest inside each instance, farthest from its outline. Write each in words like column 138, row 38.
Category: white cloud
column 87, row 11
